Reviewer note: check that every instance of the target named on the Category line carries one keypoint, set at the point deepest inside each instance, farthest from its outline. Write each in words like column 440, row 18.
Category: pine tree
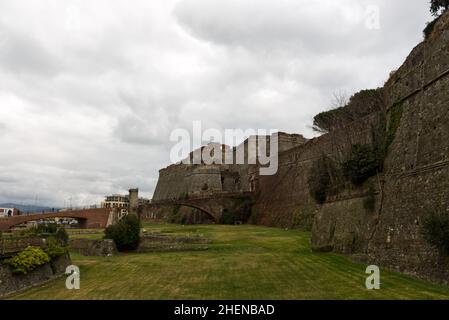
column 437, row 5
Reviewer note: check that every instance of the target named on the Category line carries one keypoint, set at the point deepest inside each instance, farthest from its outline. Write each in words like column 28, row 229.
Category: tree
column 437, row 5
column 126, row 233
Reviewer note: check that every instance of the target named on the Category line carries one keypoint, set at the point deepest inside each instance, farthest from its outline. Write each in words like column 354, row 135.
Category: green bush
column 435, row 230
column 53, row 248
column 28, row 260
column 363, row 164
column 125, row 233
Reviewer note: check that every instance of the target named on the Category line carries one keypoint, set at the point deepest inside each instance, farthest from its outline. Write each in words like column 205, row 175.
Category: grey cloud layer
column 90, row 90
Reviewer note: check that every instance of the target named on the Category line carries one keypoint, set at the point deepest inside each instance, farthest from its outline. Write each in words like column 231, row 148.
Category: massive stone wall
column 181, row 180
column 417, row 166
column 415, row 182
column 284, row 199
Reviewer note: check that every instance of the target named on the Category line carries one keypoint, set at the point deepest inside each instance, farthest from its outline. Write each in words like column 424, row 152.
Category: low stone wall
column 89, row 247
column 10, row 283
column 157, row 242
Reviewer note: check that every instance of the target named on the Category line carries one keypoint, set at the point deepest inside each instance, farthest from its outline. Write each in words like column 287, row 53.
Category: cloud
column 90, row 91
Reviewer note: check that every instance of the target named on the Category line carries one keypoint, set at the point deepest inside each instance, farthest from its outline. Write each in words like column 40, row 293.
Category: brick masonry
column 91, row 218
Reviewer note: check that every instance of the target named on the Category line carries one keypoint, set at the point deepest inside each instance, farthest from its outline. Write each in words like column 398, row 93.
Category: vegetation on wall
column 361, row 104
column 394, row 120
column 125, row 233
column 429, row 27
column 362, row 164
column 28, row 260
column 438, row 7
column 183, row 196
column 303, row 219
column 364, row 160
column 369, row 203
column 239, row 213
column 368, row 160
column 319, row 179
column 435, row 230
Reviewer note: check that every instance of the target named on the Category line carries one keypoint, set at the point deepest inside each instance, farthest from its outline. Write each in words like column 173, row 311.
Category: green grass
column 243, row 262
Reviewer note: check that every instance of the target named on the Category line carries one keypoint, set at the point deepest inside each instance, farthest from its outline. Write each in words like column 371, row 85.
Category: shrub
column 363, row 164
column 62, row 237
column 53, row 248
column 49, row 228
column 240, row 211
column 229, row 217
column 28, row 260
column 429, row 27
column 435, row 230
column 319, row 180
column 126, row 233
column 438, row 6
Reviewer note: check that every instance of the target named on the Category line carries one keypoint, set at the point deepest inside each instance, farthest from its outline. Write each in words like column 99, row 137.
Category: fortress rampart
column 414, row 182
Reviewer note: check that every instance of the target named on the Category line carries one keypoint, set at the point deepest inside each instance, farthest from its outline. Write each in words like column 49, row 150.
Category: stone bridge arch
column 213, row 205
column 213, row 211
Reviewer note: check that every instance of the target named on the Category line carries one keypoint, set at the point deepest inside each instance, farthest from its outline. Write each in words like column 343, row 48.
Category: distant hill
column 25, row 208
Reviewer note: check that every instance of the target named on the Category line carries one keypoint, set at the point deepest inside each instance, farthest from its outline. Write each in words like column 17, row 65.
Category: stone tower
column 133, row 201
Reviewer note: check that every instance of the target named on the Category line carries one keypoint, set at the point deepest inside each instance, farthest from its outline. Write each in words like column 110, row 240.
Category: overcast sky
column 91, row 89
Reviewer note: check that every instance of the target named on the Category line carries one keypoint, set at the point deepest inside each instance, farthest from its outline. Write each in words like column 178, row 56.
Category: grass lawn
column 243, row 262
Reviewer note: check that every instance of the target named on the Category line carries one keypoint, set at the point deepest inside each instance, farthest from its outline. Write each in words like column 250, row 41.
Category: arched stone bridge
column 212, row 204
column 90, row 218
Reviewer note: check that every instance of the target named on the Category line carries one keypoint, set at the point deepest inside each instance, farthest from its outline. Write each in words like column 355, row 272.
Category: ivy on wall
column 394, row 120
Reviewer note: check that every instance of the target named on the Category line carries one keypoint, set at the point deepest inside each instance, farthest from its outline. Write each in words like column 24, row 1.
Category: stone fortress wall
column 414, row 184
column 180, row 180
